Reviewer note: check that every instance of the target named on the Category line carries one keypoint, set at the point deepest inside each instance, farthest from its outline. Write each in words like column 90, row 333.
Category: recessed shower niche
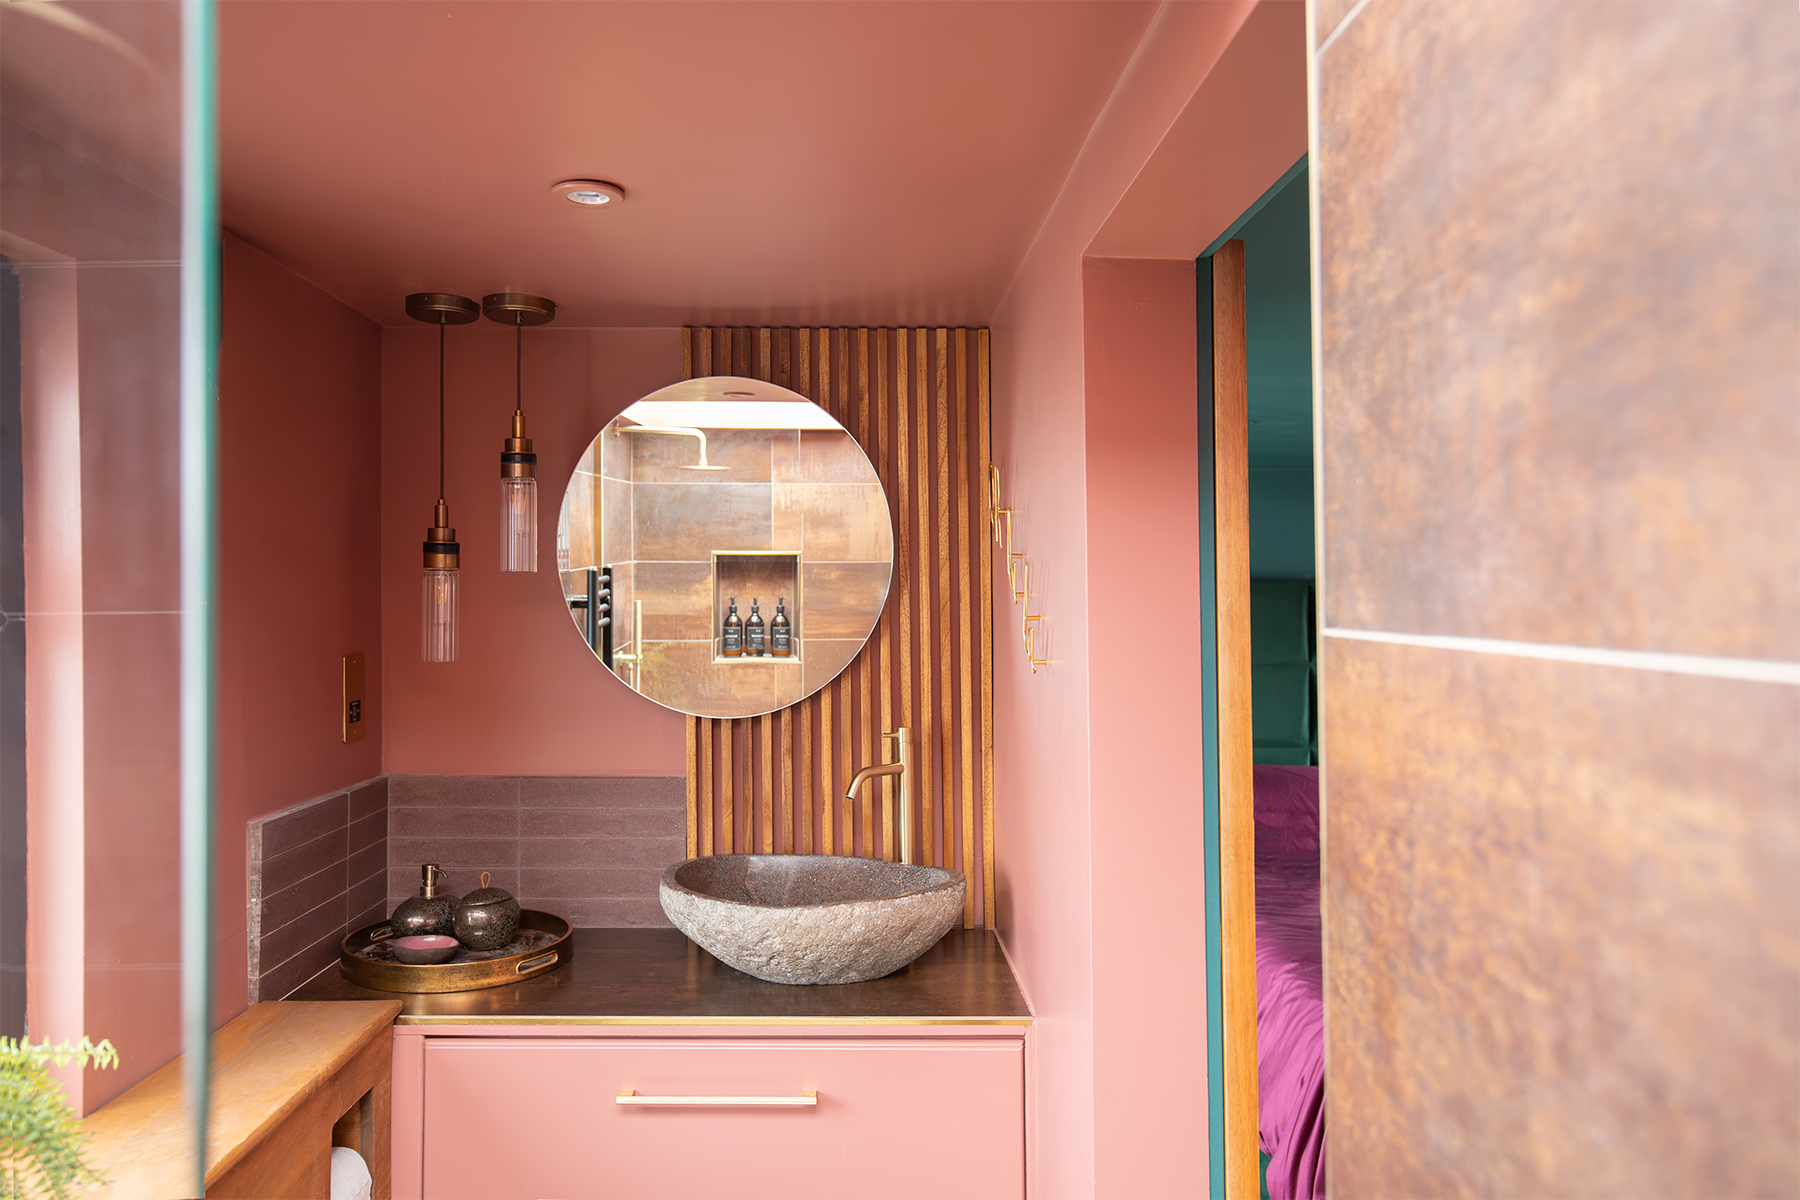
column 717, row 488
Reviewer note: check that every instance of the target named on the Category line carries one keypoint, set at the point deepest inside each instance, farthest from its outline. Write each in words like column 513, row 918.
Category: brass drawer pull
column 809, row 1099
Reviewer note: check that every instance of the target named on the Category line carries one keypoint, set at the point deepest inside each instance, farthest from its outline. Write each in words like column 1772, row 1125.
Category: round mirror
column 725, row 547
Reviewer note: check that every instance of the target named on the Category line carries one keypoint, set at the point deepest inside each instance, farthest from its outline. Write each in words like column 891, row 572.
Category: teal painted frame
column 1209, row 729
column 1209, row 687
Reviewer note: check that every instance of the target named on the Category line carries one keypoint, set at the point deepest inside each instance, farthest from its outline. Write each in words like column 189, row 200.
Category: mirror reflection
column 725, row 547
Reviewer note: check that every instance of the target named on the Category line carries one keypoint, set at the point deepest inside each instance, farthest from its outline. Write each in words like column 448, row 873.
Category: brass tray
column 454, row 976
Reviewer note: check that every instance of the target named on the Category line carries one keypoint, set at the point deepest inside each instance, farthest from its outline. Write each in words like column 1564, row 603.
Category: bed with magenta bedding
column 1290, row 1004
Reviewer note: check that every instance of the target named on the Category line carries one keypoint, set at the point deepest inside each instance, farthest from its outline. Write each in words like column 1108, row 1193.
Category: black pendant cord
column 442, row 326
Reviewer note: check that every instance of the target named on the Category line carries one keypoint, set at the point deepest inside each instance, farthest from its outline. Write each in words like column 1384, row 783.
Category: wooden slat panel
column 965, row 669
column 983, row 426
column 1237, row 827
column 759, row 795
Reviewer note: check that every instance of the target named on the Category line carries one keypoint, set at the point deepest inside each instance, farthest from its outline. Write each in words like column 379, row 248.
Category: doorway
column 1265, row 997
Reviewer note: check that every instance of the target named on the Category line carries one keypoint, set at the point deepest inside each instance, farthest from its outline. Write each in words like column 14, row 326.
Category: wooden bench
column 290, row 1080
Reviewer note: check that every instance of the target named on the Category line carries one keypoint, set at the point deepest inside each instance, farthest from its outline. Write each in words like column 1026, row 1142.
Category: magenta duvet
column 1290, row 1007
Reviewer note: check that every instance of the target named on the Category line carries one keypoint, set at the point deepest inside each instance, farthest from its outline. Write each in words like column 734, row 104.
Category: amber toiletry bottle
column 731, row 641
column 431, row 911
column 755, row 637
column 781, row 634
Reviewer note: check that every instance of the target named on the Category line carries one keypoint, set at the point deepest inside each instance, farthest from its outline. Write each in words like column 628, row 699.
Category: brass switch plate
column 356, row 715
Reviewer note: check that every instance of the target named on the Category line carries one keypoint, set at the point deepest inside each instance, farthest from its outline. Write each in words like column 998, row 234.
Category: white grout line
column 1342, row 25
column 1752, row 670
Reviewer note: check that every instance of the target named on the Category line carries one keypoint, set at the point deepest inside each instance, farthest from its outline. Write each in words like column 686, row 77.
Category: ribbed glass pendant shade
column 518, row 523
column 442, row 588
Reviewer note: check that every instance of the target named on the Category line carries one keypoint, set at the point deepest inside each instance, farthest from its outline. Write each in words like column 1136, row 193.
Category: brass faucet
column 904, row 769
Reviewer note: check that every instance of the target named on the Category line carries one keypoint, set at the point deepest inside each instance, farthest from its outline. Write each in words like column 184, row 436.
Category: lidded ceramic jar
column 487, row 917
column 429, row 912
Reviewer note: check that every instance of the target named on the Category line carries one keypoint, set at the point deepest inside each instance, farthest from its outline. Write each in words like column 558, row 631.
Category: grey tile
column 370, row 893
column 368, row 798
column 601, row 852
column 369, row 830
column 327, row 920
column 603, row 822
column 603, row 790
column 303, row 823
column 289, row 868
column 460, row 879
column 284, row 978
column 598, row 913
column 291, row 903
column 368, row 916
column 617, row 882
column 453, row 822
column 452, row 791
column 364, row 864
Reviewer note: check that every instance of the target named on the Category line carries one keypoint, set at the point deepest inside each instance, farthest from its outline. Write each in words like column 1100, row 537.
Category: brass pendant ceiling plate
column 441, row 308
column 516, row 308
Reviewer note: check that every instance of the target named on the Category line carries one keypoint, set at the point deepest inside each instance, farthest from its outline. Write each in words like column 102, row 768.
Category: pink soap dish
column 423, row 949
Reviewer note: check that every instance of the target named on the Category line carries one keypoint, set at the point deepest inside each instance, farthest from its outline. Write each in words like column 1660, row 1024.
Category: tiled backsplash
column 586, row 848
column 317, row 870
column 589, row 849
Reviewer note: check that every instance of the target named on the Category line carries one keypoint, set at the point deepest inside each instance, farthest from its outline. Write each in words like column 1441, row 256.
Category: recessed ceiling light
column 589, row 193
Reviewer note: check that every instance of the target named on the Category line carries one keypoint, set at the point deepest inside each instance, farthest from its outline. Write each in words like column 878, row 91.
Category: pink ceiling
column 790, row 163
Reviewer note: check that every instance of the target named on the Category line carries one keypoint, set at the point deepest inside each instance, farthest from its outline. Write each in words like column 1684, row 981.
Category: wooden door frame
column 1226, row 724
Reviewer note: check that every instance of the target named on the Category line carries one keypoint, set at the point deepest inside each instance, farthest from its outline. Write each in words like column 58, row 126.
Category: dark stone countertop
column 645, row 975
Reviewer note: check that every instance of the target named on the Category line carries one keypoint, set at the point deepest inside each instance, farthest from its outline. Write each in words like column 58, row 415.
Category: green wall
column 1277, row 296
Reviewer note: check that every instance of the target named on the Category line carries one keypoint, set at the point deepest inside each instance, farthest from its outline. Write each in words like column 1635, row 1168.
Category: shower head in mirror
column 702, row 465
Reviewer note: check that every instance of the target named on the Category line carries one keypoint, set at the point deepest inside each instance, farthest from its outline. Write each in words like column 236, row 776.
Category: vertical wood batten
column 691, row 727
column 946, row 728
column 965, row 640
column 922, row 574
column 864, row 672
column 1237, row 846
column 903, row 546
column 885, row 633
column 983, row 422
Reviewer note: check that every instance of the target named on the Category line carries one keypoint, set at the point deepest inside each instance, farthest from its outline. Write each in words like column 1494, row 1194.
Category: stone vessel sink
column 811, row 918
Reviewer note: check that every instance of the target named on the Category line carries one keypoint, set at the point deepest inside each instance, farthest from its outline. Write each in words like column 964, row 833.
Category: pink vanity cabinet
column 775, row 1110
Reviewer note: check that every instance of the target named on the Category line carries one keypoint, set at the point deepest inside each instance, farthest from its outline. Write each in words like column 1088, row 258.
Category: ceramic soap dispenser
column 431, row 911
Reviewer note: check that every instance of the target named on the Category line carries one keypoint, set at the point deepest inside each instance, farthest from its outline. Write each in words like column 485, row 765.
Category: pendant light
column 518, row 465
column 438, row 636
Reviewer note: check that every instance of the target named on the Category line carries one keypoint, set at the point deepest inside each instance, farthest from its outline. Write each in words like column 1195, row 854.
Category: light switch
column 355, row 715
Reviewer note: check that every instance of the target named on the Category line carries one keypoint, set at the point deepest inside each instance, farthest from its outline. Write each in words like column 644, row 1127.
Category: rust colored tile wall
column 1560, row 300
column 1564, row 959
column 1561, row 285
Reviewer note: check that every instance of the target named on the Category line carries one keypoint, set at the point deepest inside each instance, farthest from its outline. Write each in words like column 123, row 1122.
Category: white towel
column 350, row 1178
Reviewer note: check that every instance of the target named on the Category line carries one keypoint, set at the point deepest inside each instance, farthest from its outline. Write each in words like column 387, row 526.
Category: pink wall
column 1096, row 824
column 1144, row 575
column 100, row 402
column 299, row 559
column 525, row 697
